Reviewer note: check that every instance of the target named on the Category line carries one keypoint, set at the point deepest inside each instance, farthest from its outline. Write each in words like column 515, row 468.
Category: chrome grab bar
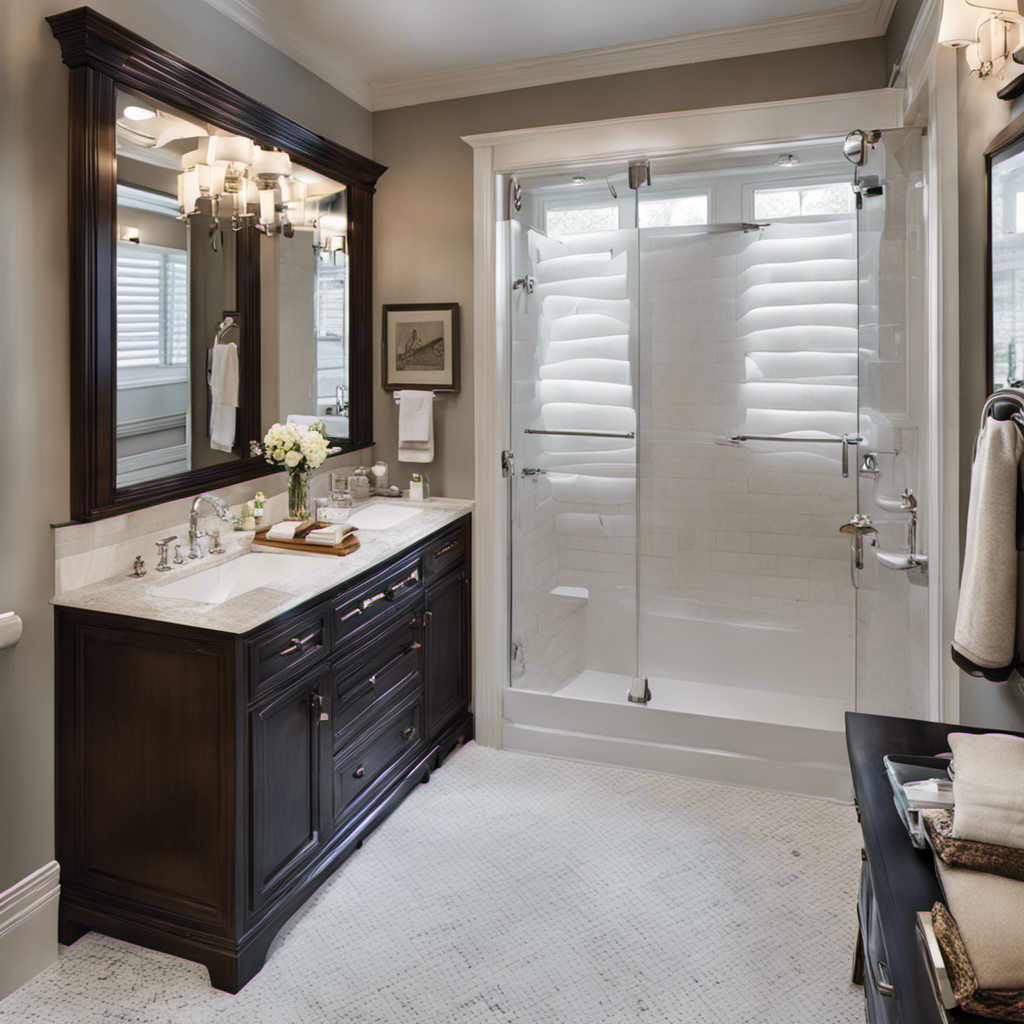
column 623, row 434
column 846, row 440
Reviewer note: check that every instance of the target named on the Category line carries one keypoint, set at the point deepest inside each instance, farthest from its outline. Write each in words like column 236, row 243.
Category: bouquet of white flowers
column 299, row 450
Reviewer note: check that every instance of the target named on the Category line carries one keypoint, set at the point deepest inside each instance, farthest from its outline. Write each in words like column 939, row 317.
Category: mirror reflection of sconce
column 988, row 33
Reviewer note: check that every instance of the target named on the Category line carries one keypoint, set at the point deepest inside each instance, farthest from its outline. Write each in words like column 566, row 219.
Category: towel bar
column 846, row 440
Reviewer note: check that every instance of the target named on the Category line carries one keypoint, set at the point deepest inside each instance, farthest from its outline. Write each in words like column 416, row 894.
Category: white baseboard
column 28, row 927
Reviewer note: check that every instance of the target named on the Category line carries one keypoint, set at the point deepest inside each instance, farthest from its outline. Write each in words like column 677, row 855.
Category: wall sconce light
column 130, row 235
column 987, row 33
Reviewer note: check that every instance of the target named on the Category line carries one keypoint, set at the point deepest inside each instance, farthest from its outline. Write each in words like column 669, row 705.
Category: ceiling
column 412, row 51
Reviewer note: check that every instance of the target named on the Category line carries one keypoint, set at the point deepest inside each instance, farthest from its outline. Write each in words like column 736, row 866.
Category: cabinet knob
column 406, row 732
column 415, row 645
column 359, row 772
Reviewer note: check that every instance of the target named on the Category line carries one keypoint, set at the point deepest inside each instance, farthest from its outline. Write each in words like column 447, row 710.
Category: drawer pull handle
column 452, row 545
column 415, row 645
column 406, row 732
column 317, row 702
column 881, row 980
column 359, row 772
column 348, row 615
column 413, row 577
column 298, row 644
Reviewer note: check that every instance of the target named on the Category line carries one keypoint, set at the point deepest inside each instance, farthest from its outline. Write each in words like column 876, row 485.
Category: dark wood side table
column 897, row 880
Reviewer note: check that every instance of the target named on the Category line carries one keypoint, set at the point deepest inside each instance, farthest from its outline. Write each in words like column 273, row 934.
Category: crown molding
column 322, row 61
column 862, row 20
column 859, row 20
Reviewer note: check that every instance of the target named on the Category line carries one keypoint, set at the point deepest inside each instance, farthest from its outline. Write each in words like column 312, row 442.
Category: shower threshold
column 757, row 738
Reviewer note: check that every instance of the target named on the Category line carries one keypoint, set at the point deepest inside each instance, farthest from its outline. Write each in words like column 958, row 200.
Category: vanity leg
column 69, row 931
column 857, row 974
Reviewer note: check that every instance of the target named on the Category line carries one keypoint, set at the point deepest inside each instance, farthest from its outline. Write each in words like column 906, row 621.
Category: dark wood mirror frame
column 102, row 55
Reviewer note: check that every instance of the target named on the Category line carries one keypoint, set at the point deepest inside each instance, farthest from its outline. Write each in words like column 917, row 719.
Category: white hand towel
column 986, row 618
column 224, row 392
column 415, row 426
column 284, row 530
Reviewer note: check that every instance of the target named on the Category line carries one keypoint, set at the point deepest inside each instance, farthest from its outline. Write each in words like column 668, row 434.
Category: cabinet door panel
column 287, row 756
column 447, row 650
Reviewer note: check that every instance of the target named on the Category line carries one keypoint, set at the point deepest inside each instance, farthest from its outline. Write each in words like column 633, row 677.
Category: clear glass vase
column 298, row 493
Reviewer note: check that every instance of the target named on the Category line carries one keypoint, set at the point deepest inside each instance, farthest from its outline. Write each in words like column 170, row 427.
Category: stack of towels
column 327, row 534
column 979, row 848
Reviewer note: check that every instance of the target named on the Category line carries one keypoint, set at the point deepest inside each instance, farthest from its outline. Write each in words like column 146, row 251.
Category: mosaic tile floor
column 514, row 888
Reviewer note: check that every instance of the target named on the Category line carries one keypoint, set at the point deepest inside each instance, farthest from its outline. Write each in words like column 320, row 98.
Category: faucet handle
column 908, row 501
column 179, row 558
column 215, row 548
column 139, row 568
column 161, row 547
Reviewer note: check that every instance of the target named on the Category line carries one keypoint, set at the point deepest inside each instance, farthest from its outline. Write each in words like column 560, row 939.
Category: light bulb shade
column 193, row 157
column 230, row 149
column 217, row 174
column 973, row 55
column 293, row 191
column 959, row 23
column 270, row 165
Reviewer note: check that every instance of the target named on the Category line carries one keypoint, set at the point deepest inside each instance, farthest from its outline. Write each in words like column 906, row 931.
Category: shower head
column 855, row 145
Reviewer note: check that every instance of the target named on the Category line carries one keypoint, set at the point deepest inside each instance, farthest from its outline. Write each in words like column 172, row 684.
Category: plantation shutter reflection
column 152, row 306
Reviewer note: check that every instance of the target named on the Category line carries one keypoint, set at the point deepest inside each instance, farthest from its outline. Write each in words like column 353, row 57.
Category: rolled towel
column 984, row 639
column 989, row 768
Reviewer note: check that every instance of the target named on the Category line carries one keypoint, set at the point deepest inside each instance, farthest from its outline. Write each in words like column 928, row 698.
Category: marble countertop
column 125, row 595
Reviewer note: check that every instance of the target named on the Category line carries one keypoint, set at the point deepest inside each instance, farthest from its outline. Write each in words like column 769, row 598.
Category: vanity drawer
column 300, row 642
column 446, row 552
column 366, row 684
column 356, row 769
column 371, row 602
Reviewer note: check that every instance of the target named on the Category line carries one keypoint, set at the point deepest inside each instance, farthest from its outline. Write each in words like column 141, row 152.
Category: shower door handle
column 847, row 440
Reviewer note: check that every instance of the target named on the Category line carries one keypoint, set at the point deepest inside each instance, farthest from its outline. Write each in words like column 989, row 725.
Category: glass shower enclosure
column 717, row 404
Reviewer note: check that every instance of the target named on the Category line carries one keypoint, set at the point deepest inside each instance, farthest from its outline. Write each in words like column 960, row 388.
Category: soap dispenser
column 419, row 487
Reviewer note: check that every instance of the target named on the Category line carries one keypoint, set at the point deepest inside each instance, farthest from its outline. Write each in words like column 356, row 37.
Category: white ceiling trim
column 321, row 62
column 861, row 20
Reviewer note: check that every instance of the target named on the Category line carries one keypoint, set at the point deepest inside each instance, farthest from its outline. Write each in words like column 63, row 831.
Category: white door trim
column 28, row 927
column 502, row 153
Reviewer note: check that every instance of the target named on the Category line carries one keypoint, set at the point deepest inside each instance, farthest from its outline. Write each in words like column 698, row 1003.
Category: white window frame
column 589, row 200
column 149, row 376
column 666, row 195
column 781, row 183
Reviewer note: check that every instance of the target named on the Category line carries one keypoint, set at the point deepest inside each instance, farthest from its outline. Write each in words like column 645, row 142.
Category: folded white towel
column 329, row 535
column 415, row 426
column 224, row 392
column 284, row 530
column 988, row 772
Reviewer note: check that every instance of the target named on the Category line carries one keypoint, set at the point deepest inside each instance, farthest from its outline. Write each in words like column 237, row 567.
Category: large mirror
column 220, row 275
column 1006, row 257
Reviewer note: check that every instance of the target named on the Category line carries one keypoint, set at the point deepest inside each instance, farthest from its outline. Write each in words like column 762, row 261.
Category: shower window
column 811, row 200
column 562, row 219
column 687, row 209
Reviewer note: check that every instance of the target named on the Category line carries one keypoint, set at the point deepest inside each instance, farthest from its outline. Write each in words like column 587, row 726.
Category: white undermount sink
column 220, row 584
column 382, row 517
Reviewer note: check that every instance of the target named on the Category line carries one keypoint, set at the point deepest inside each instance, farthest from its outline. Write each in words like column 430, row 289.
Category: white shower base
column 758, row 738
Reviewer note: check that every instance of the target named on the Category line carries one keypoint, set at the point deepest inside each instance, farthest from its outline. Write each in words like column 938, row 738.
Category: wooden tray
column 349, row 543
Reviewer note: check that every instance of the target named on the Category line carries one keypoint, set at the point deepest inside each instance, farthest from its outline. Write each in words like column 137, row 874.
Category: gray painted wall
column 34, row 343
column 424, row 206
column 901, row 24
column 981, row 115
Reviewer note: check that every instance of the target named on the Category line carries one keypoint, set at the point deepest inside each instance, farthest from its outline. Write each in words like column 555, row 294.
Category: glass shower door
column 892, row 586
column 573, row 426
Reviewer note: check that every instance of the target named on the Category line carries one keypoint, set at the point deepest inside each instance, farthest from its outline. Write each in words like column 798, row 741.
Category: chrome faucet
column 223, row 512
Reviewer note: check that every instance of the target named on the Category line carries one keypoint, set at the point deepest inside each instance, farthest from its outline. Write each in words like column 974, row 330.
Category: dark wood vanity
column 209, row 782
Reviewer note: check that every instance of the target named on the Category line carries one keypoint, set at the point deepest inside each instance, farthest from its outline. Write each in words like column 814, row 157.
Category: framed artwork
column 420, row 347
